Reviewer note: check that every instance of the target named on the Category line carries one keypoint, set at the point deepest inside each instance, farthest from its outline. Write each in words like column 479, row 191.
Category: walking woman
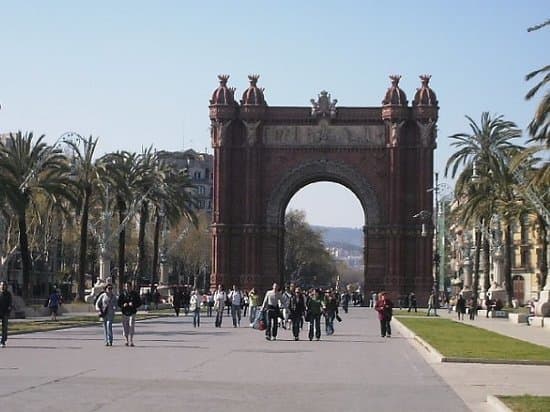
column 106, row 306
column 313, row 313
column 297, row 307
column 384, row 307
column 219, row 304
column 195, row 307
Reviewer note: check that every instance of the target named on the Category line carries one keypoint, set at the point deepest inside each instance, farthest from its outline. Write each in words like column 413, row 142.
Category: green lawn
column 453, row 339
column 527, row 403
column 31, row 326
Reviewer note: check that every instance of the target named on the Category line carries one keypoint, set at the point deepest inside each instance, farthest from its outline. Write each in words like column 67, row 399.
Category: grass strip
column 16, row 328
column 458, row 340
column 526, row 403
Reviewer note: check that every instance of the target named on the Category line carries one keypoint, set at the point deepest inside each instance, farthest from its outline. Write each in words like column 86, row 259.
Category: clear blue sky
column 137, row 73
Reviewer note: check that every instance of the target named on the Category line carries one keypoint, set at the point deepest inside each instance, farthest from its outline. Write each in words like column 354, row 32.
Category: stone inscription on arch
column 324, row 134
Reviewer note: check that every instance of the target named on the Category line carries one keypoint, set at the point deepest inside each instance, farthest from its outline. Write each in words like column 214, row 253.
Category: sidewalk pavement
column 177, row 367
column 475, row 382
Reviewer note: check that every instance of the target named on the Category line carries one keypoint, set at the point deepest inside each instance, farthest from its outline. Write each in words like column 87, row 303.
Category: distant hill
column 335, row 236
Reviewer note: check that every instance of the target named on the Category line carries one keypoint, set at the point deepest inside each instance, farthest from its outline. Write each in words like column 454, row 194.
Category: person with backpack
column 129, row 302
column 106, row 306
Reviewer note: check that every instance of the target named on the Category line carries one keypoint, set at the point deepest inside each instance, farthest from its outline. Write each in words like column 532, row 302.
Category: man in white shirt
column 236, row 298
column 271, row 306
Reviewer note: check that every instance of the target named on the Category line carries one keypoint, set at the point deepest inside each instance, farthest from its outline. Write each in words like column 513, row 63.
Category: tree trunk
column 83, row 257
column 121, row 206
column 25, row 254
column 141, row 239
column 508, row 239
column 544, row 252
column 477, row 254
column 158, row 222
column 486, row 262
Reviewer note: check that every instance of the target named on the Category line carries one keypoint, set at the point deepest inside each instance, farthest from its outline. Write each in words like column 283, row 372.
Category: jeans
column 4, row 328
column 108, row 330
column 272, row 322
column 296, row 324
column 219, row 317
column 236, row 315
column 315, row 324
column 128, row 327
column 329, row 323
column 253, row 311
column 197, row 317
column 385, row 327
column 209, row 310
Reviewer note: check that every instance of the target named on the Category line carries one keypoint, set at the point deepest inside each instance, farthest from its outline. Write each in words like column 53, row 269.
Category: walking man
column 236, row 298
column 271, row 306
column 106, row 307
column 431, row 304
column 129, row 302
column 412, row 302
column 5, row 309
column 314, row 308
column 253, row 304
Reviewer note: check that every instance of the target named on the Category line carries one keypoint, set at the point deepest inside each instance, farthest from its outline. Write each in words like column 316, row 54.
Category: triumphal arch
column 264, row 154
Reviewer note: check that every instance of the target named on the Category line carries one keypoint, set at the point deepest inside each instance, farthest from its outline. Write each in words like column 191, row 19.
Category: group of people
column 292, row 307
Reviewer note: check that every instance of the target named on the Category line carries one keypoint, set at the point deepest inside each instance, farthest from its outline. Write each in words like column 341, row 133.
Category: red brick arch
column 263, row 155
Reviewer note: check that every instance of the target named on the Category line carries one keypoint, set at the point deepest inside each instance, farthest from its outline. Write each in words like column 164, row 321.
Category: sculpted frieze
column 324, row 134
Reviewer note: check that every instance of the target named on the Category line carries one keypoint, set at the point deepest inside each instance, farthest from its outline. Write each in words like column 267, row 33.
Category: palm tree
column 483, row 155
column 29, row 169
column 173, row 200
column 85, row 174
column 120, row 171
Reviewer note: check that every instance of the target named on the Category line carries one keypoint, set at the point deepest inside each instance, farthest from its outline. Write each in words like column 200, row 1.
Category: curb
column 438, row 357
column 496, row 404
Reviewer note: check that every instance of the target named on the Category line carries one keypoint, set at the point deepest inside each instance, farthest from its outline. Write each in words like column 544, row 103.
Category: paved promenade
column 177, row 367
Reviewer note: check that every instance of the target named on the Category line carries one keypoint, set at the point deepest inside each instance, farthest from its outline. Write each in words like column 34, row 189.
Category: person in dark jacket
column 330, row 311
column 297, row 307
column 314, row 308
column 54, row 301
column 5, row 309
column 129, row 302
column 384, row 307
column 177, row 300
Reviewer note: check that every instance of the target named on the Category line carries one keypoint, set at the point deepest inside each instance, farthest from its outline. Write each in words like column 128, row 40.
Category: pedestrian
column 373, row 299
column 177, row 300
column 432, row 304
column 314, row 308
column 472, row 307
column 209, row 304
column 246, row 303
column 330, row 310
column 253, row 304
column 285, row 302
column 345, row 301
column 186, row 299
column 219, row 305
column 384, row 307
column 271, row 307
column 129, row 302
column 460, row 307
column 5, row 309
column 195, row 307
column 236, row 298
column 412, row 302
column 488, row 305
column 54, row 301
column 297, row 307
column 106, row 307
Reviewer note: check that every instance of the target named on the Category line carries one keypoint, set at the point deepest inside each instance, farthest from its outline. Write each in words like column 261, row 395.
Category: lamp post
column 424, row 217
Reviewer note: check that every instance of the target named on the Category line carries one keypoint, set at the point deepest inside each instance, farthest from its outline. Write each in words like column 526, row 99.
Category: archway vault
column 317, row 171
column 263, row 155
